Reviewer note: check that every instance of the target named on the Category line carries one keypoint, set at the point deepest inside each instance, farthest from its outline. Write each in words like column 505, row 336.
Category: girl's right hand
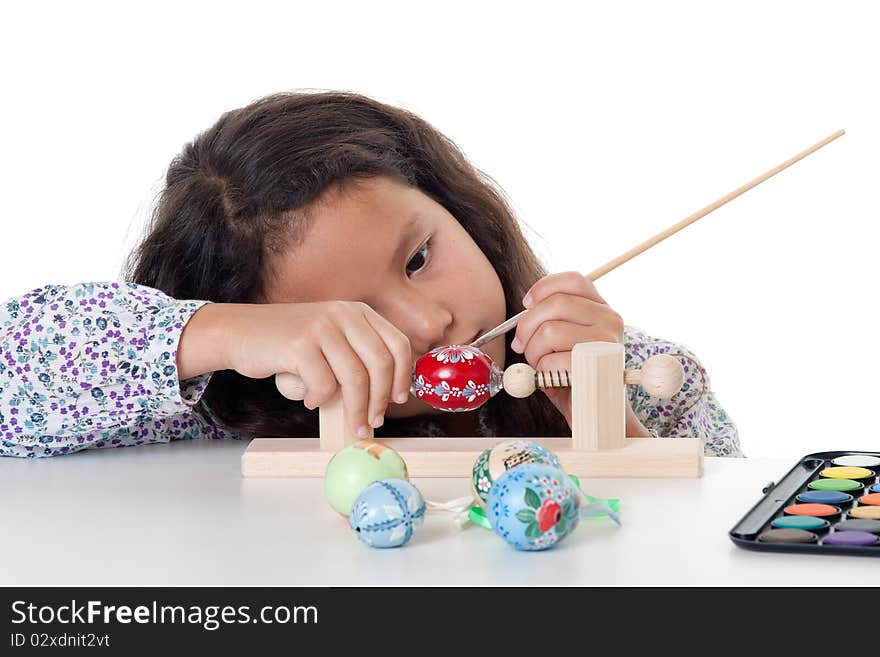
column 327, row 344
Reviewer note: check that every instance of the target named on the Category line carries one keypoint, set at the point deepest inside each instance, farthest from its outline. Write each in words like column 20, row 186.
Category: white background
column 603, row 122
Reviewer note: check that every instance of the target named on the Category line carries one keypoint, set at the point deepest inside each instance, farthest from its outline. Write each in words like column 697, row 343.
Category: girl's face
column 394, row 248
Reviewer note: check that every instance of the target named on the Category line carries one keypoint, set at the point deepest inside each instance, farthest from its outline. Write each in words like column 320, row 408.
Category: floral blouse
column 94, row 365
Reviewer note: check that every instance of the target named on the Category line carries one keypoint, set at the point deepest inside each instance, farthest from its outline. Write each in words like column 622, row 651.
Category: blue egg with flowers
column 533, row 506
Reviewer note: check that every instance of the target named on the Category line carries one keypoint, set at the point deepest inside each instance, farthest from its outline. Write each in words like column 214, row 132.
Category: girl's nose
column 424, row 320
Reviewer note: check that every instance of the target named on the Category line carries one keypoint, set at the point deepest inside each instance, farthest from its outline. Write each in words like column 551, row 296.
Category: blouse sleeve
column 694, row 412
column 95, row 365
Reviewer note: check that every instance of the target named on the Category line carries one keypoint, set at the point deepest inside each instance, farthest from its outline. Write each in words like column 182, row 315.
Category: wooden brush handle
column 660, row 376
column 659, row 237
column 687, row 221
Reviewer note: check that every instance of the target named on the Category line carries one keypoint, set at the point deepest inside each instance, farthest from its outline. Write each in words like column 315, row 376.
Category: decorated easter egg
column 355, row 467
column 533, row 506
column 497, row 460
column 387, row 513
column 455, row 378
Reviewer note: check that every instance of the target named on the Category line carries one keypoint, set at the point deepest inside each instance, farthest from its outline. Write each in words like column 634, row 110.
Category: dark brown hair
column 232, row 194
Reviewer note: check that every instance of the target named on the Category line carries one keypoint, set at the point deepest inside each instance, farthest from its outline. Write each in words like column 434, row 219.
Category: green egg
column 355, row 467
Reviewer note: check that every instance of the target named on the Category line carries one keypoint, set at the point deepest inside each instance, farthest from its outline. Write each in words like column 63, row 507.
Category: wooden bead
column 662, row 376
column 519, row 380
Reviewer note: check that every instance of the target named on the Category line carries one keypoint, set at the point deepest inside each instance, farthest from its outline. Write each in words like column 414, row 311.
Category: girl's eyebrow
column 405, row 235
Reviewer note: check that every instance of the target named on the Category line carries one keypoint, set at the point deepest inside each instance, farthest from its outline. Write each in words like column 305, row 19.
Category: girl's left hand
column 565, row 309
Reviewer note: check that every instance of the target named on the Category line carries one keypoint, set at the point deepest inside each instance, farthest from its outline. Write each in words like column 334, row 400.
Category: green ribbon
column 477, row 514
column 613, row 502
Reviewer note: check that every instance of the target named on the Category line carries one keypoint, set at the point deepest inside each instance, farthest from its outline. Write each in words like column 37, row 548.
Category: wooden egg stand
column 598, row 446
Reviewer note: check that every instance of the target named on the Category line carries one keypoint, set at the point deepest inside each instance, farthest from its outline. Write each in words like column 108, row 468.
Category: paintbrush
column 505, row 326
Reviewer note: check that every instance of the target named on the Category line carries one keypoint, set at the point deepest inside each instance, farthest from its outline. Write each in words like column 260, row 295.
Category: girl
column 328, row 235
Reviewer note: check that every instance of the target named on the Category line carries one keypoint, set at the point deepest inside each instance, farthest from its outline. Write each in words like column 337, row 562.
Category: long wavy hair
column 232, row 195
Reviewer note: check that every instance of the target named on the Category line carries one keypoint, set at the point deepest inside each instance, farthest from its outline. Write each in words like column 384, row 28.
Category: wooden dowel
column 644, row 246
column 661, row 375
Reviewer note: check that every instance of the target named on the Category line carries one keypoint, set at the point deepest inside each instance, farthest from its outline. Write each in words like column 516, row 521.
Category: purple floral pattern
column 94, row 365
column 693, row 411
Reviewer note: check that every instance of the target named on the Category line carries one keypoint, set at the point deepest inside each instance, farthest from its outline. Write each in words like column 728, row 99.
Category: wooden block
column 598, row 396
column 334, row 431
column 455, row 457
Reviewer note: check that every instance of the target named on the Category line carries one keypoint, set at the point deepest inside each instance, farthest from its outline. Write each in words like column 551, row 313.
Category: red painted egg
column 455, row 378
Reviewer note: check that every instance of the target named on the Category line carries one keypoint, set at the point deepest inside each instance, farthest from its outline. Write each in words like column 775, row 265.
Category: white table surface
column 180, row 514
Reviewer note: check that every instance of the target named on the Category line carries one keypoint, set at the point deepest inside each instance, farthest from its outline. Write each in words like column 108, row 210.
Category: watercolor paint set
column 828, row 503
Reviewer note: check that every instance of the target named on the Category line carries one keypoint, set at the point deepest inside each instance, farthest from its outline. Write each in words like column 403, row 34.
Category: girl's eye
column 419, row 258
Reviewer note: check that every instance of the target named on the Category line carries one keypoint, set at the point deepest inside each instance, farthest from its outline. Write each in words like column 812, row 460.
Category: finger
column 352, row 376
column 554, row 335
column 564, row 307
column 372, row 350
column 568, row 282
column 401, row 350
column 556, row 363
column 317, row 376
